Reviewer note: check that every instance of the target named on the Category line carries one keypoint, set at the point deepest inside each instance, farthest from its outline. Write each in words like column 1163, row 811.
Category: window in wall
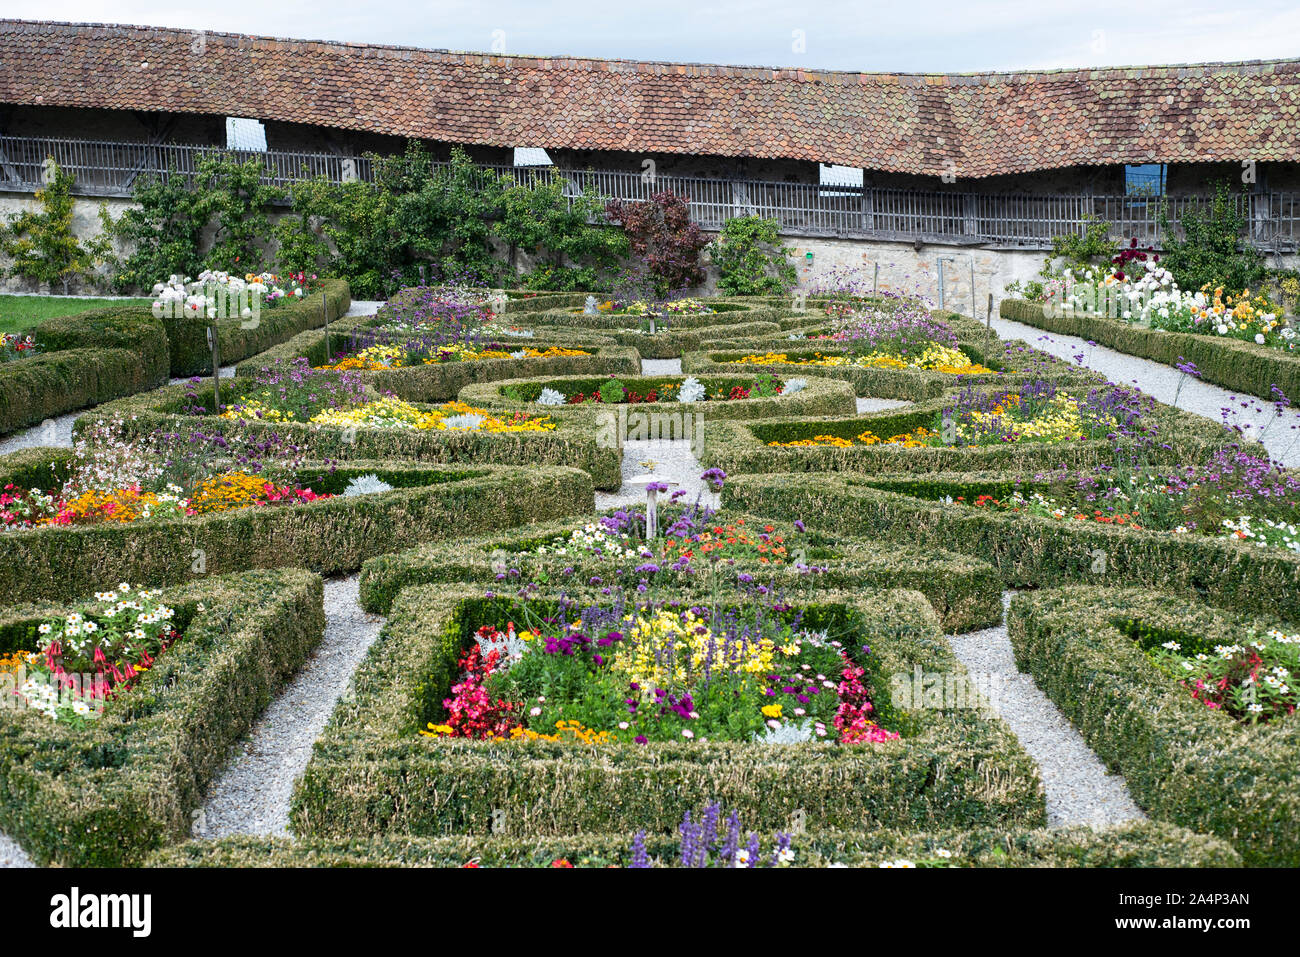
column 1146, row 180
column 245, row 134
column 530, row 156
column 832, row 176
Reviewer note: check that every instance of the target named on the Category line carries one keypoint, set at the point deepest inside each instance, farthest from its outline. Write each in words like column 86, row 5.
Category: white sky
column 937, row 36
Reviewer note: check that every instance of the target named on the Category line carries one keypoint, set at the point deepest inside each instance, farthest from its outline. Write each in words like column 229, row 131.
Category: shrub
column 1211, row 252
column 108, row 794
column 664, row 239
column 751, row 260
column 42, row 244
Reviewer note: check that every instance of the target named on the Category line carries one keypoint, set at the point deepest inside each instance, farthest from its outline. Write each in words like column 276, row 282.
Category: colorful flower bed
column 934, row 357
column 214, row 291
column 119, row 479
column 651, row 672
column 295, row 392
column 1235, row 495
column 1036, row 412
column 87, row 659
column 1253, row 680
column 17, row 346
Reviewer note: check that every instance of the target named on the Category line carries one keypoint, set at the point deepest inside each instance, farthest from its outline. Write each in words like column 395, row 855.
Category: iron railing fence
column 112, row 169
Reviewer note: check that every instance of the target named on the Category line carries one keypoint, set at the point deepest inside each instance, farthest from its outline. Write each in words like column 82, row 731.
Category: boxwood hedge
column 84, row 360
column 965, row 593
column 1183, row 762
column 1026, row 550
column 743, row 447
column 333, row 535
column 372, row 773
column 441, row 381
column 819, row 397
column 1231, row 363
column 107, row 794
column 572, row 443
column 1138, row 844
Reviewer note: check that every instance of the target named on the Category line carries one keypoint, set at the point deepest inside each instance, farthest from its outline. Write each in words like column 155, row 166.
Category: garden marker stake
column 325, row 312
column 214, row 344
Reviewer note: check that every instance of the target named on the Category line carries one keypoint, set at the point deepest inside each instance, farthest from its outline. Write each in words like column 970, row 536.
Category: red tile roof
column 983, row 124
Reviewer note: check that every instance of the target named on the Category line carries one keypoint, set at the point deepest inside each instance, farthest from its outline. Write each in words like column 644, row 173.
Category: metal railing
column 1014, row 220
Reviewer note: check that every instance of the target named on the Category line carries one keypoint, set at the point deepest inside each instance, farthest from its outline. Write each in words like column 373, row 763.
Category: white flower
column 692, row 390
column 1259, row 338
column 550, row 396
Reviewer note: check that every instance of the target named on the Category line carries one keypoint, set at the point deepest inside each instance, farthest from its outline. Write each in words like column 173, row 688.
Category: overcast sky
column 939, row 35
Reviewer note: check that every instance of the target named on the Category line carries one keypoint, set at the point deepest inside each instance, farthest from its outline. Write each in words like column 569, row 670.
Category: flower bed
column 1070, row 428
column 1184, row 762
column 1231, row 363
column 372, row 772
column 106, row 791
column 693, row 556
column 1026, row 550
column 392, row 432
column 334, row 533
column 670, row 344
column 714, row 397
column 441, row 381
column 1137, row 844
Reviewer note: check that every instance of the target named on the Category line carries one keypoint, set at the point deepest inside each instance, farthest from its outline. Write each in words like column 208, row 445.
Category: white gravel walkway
column 880, row 405
column 252, row 794
column 1280, row 435
column 1079, row 788
column 11, row 855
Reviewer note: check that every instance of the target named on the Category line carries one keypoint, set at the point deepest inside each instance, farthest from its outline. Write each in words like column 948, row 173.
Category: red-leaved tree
column 663, row 236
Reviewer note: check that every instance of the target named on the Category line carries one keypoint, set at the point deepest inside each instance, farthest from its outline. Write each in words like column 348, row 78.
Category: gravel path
column 1079, row 789
column 364, row 307
column 661, row 366
column 52, row 433
column 880, row 405
column 252, row 794
column 1280, row 434
column 11, row 855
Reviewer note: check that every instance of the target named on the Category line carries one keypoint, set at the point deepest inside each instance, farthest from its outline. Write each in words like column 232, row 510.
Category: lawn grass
column 22, row 312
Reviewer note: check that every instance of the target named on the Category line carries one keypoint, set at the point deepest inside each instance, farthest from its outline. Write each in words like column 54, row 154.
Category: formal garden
column 560, row 566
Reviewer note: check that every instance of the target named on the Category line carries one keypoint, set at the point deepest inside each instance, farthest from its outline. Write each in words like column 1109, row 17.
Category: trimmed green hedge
column 572, row 443
column 742, row 447
column 442, row 381
column 372, row 773
column 966, row 593
column 187, row 337
column 108, row 794
column 820, row 397
column 1183, row 762
column 1011, row 361
column 333, row 535
column 1139, row 844
column 1231, row 363
column 1026, row 550
column 86, row 359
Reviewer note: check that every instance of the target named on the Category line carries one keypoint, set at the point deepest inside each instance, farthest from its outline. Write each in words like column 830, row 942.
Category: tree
column 664, row 239
column 751, row 260
column 1211, row 252
column 41, row 242
column 576, row 250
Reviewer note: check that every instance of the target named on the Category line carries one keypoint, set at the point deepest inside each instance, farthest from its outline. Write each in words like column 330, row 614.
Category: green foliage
column 1211, row 251
column 538, row 218
column 41, row 242
column 751, row 260
column 166, row 229
column 1093, row 248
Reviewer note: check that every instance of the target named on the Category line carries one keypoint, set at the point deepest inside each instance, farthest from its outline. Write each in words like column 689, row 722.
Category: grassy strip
column 108, row 794
column 1183, row 762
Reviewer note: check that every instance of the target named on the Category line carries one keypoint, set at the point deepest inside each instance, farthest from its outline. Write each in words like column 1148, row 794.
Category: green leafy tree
column 751, row 260
column 163, row 231
column 41, row 243
column 1080, row 253
column 233, row 198
column 1212, row 252
column 576, row 249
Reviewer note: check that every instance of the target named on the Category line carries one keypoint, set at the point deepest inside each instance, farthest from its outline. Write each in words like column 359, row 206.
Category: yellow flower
column 772, row 710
